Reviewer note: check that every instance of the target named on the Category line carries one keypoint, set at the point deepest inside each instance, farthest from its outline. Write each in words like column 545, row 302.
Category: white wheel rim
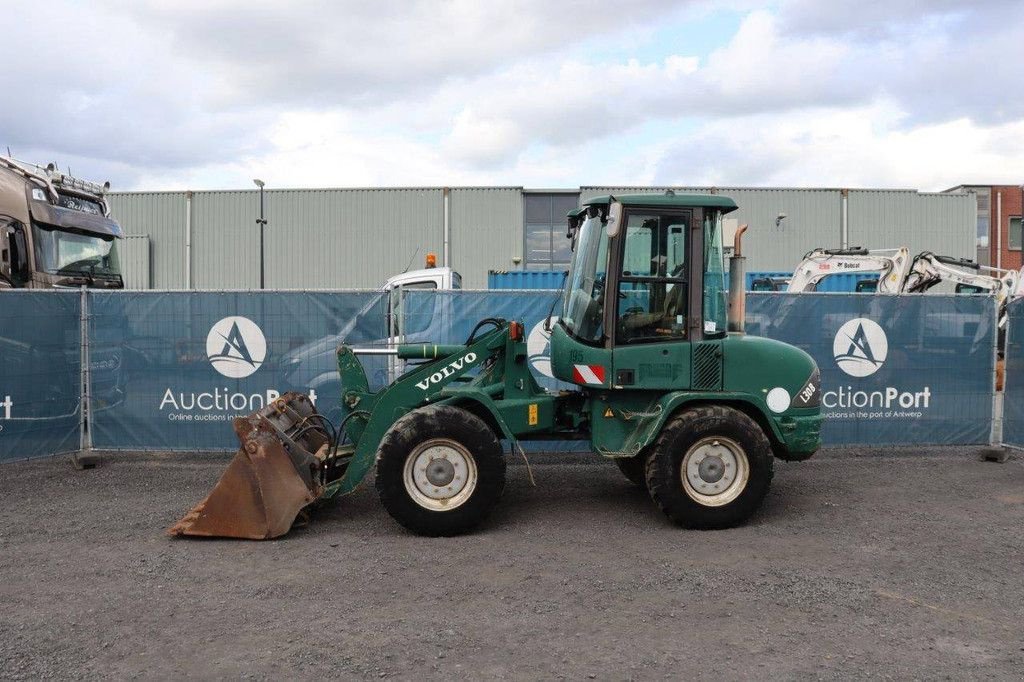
column 440, row 474
column 715, row 471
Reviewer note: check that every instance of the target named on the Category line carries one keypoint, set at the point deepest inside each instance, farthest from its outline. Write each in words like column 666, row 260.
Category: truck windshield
column 583, row 308
column 71, row 253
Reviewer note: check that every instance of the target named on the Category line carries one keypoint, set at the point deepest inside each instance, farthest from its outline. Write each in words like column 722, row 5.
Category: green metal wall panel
column 134, row 254
column 225, row 241
column 486, row 232
column 314, row 239
column 942, row 223
column 160, row 216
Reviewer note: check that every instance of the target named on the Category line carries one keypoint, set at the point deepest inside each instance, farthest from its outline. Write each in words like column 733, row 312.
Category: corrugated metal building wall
column 134, row 254
column 941, row 223
column 314, row 239
column 356, row 238
column 161, row 217
column 486, row 231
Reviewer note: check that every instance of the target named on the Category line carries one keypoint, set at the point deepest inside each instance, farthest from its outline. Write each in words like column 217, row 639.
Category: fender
column 460, row 396
column 379, row 411
column 649, row 425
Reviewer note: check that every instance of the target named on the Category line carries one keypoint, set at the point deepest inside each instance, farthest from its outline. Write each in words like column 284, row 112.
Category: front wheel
column 440, row 471
column 710, row 467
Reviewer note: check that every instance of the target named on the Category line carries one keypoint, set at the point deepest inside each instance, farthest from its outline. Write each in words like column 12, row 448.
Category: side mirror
column 5, row 252
column 19, row 253
column 614, row 221
column 572, row 227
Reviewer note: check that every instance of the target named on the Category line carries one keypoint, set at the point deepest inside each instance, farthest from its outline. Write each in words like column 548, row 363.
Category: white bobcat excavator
column 898, row 274
column 892, row 266
column 929, row 270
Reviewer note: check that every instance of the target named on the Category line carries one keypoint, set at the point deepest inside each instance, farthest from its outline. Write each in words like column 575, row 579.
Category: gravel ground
column 906, row 566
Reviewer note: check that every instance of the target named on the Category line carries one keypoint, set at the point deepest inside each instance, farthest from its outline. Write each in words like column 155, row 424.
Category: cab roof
column 725, row 204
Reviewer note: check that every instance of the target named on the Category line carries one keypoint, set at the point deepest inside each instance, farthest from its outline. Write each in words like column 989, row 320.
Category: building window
column 1014, row 235
column 984, row 205
column 547, row 247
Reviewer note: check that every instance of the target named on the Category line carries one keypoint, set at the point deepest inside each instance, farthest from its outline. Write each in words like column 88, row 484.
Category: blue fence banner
column 1013, row 382
column 170, row 370
column 40, row 373
column 193, row 361
column 915, row 369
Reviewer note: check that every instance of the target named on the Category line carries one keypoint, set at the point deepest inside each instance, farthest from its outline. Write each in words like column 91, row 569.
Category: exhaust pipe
column 737, row 283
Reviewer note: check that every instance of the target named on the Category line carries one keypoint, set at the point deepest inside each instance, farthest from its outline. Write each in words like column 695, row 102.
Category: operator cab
column 641, row 247
column 647, row 281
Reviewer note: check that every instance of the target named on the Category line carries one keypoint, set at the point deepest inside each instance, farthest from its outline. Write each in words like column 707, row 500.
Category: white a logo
column 538, row 347
column 860, row 347
column 236, row 347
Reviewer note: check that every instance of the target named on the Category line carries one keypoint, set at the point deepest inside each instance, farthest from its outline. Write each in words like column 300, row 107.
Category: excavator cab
column 867, row 286
column 969, row 289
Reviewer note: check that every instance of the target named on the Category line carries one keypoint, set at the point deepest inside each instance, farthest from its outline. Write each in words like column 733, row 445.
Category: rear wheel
column 633, row 468
column 710, row 467
column 440, row 470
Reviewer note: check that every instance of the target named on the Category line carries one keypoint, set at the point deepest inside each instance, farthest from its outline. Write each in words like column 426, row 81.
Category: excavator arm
column 892, row 266
column 927, row 270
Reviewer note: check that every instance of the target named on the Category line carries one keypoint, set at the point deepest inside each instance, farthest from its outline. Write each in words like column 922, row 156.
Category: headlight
column 810, row 394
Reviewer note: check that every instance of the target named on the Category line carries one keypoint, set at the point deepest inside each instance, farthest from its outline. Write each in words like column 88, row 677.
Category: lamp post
column 262, row 222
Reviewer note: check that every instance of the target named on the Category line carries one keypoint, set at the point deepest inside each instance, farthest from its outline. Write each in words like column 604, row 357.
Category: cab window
column 415, row 317
column 652, row 296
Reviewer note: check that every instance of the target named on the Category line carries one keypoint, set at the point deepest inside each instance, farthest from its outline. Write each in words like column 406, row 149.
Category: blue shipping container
column 552, row 279
column 525, row 279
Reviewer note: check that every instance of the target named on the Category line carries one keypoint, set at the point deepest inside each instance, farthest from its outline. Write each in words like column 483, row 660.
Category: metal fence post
column 84, row 458
column 996, row 451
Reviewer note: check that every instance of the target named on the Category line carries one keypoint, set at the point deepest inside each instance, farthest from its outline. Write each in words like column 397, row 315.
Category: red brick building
column 999, row 223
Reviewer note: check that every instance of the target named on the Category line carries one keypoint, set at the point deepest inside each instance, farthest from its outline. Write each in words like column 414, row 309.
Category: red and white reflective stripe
column 588, row 374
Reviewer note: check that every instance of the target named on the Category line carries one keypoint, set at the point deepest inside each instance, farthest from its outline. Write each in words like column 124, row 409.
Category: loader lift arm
column 891, row 265
column 503, row 389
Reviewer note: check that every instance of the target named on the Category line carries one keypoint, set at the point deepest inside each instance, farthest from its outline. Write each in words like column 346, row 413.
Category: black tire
column 723, row 436
column 450, row 431
column 633, row 468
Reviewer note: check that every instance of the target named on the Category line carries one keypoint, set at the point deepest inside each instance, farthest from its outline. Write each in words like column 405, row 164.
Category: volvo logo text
column 446, row 371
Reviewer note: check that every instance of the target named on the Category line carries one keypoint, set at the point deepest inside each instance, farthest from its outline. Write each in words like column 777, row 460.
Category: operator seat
column 657, row 323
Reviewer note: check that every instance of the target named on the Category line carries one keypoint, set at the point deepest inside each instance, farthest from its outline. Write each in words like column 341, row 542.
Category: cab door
column 652, row 323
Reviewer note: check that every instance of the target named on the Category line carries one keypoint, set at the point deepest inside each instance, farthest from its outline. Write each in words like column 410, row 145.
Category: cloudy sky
column 207, row 94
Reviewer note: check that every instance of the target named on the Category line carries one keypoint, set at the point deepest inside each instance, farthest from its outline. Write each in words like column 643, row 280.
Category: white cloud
column 166, row 94
column 862, row 147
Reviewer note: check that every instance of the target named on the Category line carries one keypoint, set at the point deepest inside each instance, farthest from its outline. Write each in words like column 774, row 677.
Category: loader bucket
column 273, row 476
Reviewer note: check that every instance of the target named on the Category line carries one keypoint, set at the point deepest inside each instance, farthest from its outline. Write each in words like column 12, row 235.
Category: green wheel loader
column 667, row 385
